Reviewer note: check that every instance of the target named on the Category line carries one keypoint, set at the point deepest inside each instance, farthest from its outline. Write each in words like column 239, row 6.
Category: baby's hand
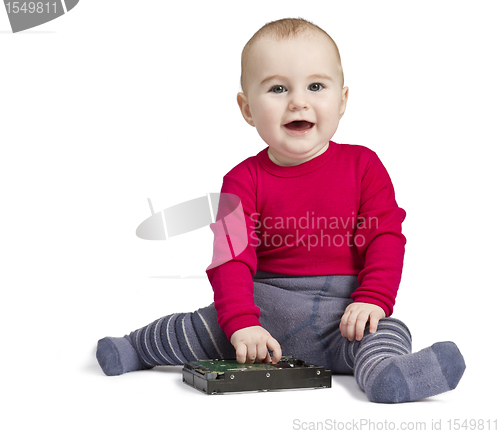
column 356, row 315
column 252, row 343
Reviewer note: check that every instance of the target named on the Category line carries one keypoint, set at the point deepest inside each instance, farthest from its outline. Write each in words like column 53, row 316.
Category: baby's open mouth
column 299, row 125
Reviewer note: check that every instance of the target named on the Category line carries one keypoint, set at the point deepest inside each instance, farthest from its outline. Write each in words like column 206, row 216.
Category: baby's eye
column 315, row 87
column 278, row 89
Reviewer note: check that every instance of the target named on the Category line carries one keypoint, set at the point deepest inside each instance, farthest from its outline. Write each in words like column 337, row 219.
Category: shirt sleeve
column 234, row 261
column 379, row 239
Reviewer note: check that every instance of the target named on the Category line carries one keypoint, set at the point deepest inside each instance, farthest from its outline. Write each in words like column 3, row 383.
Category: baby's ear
column 245, row 108
column 345, row 96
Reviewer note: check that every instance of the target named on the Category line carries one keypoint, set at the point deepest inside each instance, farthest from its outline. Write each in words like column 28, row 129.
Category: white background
column 118, row 101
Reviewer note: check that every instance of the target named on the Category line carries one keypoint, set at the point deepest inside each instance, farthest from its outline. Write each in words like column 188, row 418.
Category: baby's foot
column 117, row 356
column 415, row 376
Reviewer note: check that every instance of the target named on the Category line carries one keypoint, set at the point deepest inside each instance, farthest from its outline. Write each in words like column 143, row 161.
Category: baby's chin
column 294, row 154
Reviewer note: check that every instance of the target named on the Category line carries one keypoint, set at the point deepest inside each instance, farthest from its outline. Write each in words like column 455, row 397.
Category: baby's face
column 293, row 96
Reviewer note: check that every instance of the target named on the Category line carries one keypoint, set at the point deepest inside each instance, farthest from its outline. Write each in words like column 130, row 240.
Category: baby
column 323, row 253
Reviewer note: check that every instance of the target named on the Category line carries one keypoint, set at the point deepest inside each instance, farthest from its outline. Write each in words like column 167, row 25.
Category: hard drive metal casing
column 228, row 376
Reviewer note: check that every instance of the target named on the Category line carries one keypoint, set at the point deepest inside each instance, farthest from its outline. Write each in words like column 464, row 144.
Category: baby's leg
column 388, row 372
column 171, row 340
column 303, row 314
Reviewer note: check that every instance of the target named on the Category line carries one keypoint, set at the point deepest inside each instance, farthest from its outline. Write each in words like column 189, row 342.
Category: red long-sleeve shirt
column 334, row 214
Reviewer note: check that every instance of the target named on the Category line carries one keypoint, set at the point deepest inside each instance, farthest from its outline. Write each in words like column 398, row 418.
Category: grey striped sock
column 388, row 372
column 171, row 340
column 117, row 356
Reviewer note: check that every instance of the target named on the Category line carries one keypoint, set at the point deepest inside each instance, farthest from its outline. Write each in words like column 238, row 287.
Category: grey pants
column 302, row 313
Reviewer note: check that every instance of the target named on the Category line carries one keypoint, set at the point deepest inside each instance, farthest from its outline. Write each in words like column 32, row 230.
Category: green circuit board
column 221, row 366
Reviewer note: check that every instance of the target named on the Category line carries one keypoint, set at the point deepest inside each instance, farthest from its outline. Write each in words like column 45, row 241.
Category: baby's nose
column 298, row 102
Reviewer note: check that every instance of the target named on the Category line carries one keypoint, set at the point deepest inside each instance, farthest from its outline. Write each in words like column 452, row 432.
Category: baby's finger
column 275, row 347
column 351, row 326
column 262, row 353
column 267, row 359
column 343, row 324
column 373, row 323
column 361, row 325
column 241, row 353
column 251, row 354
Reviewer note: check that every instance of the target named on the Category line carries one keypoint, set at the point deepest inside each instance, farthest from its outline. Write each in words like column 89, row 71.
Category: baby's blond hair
column 281, row 30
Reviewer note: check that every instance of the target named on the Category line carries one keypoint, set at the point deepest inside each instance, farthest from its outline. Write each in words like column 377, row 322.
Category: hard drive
column 229, row 376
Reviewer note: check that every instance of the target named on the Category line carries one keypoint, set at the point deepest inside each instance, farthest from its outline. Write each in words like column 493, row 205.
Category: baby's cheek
column 329, row 122
column 266, row 122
